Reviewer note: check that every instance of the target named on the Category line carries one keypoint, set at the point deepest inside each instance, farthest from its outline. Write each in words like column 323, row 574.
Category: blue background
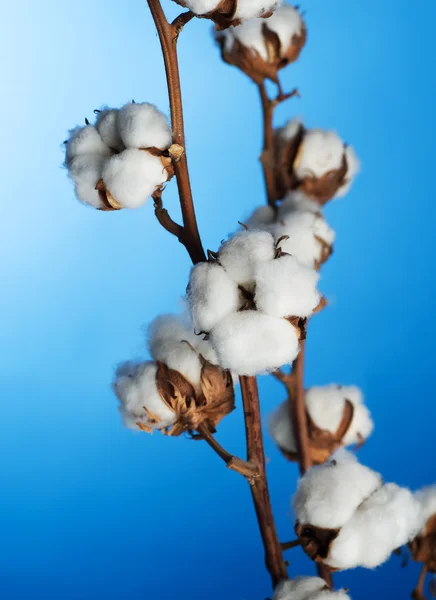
column 90, row 510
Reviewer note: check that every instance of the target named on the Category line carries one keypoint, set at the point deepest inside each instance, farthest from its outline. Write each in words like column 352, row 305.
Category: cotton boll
column 280, row 428
column 353, row 169
column 285, row 22
column 132, row 176
column 143, row 126
column 329, row 595
column 262, row 218
column 169, row 328
column 212, row 295
column 300, row 588
column 250, row 9
column 328, row 495
column 296, row 202
column 250, row 342
column 285, row 288
column 135, row 387
column 250, row 35
column 427, row 499
column 181, row 357
column 302, row 229
column 243, row 252
column 201, row 7
column 389, row 518
column 291, row 129
column 85, row 140
column 107, row 126
column 319, row 153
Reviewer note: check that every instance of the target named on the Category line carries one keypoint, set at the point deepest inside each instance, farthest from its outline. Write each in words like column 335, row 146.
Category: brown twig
column 259, row 489
column 418, row 592
column 245, row 468
column 168, row 35
column 290, row 545
column 297, row 407
column 164, row 218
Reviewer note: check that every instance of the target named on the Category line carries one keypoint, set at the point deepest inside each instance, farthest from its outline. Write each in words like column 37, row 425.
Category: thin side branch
column 164, row 218
column 259, row 489
column 297, row 407
column 168, row 35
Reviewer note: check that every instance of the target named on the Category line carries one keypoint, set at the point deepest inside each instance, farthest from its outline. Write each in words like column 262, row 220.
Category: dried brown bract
column 227, row 13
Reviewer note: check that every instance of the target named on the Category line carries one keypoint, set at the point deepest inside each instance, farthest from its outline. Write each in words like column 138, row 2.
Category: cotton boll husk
column 243, row 252
column 328, row 495
column 299, row 588
column 285, row 288
column 291, row 129
column 427, row 499
column 107, row 126
column 301, row 228
column 296, row 201
column 132, row 176
column 85, row 140
column 320, row 152
column 212, row 295
column 353, row 169
column 143, row 126
column 280, row 428
column 250, row 9
column 262, row 218
column 389, row 518
column 135, row 387
column 250, row 342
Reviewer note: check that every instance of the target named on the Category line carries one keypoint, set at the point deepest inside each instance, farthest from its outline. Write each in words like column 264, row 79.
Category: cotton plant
column 249, row 305
column 336, row 417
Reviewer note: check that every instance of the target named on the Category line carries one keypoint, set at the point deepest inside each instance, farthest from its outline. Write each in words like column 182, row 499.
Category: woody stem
column 259, row 489
column 267, row 156
column 168, row 36
column 245, row 468
column 420, row 585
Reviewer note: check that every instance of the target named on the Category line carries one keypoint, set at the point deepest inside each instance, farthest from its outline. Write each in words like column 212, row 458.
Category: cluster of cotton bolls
column 250, row 299
column 346, row 516
column 304, row 231
column 307, row 588
column 261, row 47
column 336, row 417
column 122, row 159
column 314, row 161
column 228, row 12
column 171, row 393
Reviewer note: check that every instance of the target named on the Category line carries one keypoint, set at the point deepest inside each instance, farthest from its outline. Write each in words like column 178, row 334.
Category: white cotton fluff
column 320, row 152
column 286, row 288
column 107, row 126
column 202, row 7
column 353, row 169
column 328, row 495
column 243, row 252
column 389, row 518
column 285, row 21
column 85, row 140
column 329, row 595
column 300, row 588
column 290, row 130
column 132, row 176
column 280, row 428
column 326, row 407
column 250, row 9
column 212, row 295
column 262, row 218
column 302, row 229
column 427, row 499
column 135, row 387
column 296, row 202
column 143, row 126
column 85, row 171
column 250, row 342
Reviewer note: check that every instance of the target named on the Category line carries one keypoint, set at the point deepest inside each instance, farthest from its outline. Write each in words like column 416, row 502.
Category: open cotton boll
column 328, row 494
column 135, row 387
column 243, row 252
column 427, row 499
column 107, row 126
column 201, row 7
column 169, row 328
column 181, row 357
column 280, row 428
column 286, row 22
column 85, row 140
column 286, row 288
column 296, row 201
column 389, row 518
column 212, row 295
column 262, row 218
column 250, row 9
column 143, row 126
column 353, row 168
column 132, row 176
column 320, row 152
column 302, row 229
column 250, row 342
column 300, row 588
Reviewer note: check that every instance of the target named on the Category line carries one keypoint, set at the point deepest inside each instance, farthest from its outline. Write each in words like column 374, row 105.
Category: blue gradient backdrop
column 90, row 510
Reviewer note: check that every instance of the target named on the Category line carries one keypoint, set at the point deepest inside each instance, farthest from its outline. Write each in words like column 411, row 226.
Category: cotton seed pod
column 423, row 547
column 225, row 13
column 315, row 162
column 261, row 47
